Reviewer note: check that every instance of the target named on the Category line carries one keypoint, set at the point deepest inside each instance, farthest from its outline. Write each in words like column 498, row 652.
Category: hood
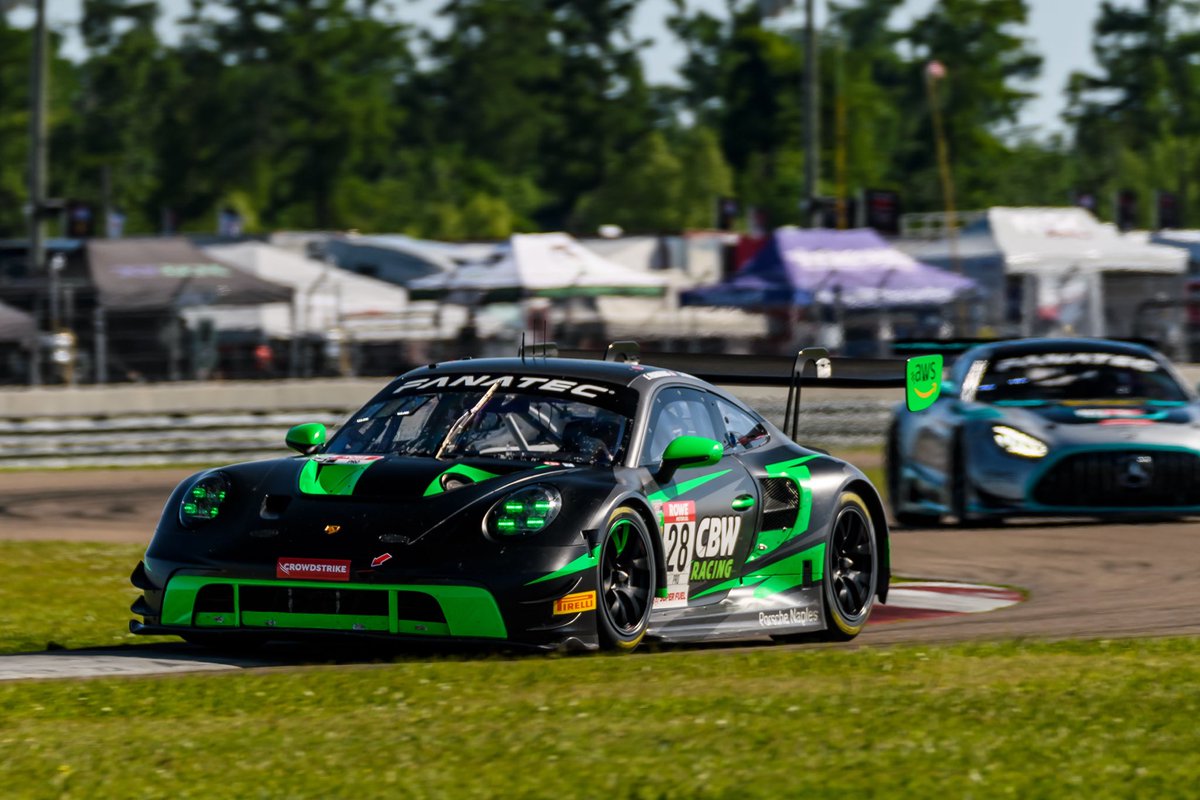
column 400, row 478
column 368, row 495
column 1121, row 413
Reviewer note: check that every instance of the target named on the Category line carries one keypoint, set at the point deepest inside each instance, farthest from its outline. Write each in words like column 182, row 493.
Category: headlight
column 1013, row 441
column 202, row 502
column 524, row 512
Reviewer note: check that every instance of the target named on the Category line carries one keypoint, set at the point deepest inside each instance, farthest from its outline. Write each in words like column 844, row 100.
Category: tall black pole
column 811, row 124
column 37, row 142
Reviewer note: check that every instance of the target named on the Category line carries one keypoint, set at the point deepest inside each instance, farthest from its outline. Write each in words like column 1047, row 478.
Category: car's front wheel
column 895, row 488
column 625, row 581
column 851, row 569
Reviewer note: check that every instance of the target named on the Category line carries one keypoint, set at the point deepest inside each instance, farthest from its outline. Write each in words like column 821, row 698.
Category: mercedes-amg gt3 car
column 1071, row 427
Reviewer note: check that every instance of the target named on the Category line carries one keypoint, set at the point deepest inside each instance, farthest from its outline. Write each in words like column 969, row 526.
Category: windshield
column 486, row 422
column 1071, row 376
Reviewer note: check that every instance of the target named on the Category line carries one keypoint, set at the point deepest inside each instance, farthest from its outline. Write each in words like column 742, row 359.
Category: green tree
column 986, row 58
column 1137, row 122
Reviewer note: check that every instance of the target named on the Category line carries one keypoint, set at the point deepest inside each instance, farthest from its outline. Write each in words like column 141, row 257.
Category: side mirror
column 306, row 438
column 686, row 452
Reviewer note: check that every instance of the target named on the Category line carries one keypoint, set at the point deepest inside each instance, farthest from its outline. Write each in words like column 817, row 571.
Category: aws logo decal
column 923, row 381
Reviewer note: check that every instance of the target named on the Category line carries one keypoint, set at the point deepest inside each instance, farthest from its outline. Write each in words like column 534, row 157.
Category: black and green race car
column 550, row 502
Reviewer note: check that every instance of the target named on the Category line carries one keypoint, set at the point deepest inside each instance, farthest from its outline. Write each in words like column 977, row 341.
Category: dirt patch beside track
column 1083, row 579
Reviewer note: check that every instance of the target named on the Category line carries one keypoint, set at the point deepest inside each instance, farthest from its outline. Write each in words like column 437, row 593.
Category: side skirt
column 742, row 614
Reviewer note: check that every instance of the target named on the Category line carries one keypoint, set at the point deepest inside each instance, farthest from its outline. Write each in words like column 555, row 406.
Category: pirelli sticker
column 575, row 603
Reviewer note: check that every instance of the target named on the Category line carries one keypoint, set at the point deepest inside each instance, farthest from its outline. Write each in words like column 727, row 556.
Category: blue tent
column 856, row 268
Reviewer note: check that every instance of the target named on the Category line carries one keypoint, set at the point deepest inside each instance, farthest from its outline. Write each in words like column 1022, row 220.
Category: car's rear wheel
column 851, row 569
column 625, row 581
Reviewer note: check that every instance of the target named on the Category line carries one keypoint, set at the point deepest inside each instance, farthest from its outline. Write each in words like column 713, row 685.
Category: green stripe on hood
column 331, row 479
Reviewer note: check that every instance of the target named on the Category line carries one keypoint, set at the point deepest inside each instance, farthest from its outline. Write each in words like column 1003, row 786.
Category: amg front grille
column 1122, row 479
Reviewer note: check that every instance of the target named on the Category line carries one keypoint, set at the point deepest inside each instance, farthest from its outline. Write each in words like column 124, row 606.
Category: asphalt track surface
column 1083, row 579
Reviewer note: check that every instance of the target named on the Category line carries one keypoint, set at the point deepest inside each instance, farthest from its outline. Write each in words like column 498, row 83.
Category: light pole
column 812, row 172
column 37, row 140
column 935, row 71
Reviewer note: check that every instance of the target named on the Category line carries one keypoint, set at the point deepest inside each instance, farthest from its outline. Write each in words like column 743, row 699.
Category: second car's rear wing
column 921, row 376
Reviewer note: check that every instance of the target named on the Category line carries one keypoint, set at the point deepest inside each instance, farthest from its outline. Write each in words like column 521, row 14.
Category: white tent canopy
column 326, row 298
column 541, row 265
column 1056, row 240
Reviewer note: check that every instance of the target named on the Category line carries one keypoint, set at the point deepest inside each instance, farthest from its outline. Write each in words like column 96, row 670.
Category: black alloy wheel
column 625, row 580
column 851, row 569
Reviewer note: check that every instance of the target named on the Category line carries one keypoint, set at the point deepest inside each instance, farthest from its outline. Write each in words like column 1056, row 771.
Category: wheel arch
column 870, row 496
column 639, row 504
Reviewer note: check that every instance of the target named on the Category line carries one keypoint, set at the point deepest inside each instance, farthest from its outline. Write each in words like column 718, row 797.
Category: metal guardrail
column 169, row 439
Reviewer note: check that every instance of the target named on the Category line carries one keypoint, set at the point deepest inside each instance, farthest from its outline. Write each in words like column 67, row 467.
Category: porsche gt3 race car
column 1072, row 427
column 540, row 501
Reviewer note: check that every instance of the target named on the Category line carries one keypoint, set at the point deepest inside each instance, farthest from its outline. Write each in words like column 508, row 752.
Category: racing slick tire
column 959, row 489
column 851, row 569
column 624, row 581
column 909, row 519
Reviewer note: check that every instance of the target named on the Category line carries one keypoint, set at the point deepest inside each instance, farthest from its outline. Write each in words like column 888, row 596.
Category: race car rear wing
column 921, row 375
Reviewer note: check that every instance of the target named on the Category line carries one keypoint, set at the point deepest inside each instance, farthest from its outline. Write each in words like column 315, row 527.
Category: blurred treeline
column 536, row 114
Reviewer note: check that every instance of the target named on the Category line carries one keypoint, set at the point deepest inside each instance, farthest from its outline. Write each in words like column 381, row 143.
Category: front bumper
column 195, row 601
column 1111, row 481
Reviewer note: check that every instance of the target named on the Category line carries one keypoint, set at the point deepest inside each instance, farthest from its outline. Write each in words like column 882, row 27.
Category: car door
column 706, row 514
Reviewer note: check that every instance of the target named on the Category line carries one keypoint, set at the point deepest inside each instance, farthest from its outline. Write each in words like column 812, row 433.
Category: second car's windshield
column 1071, row 376
column 494, row 424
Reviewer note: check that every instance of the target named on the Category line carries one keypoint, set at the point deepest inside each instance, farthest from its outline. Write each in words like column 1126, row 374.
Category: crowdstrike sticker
column 312, row 569
column 526, row 382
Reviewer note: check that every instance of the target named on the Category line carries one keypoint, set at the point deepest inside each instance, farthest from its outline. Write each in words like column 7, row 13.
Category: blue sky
column 1060, row 30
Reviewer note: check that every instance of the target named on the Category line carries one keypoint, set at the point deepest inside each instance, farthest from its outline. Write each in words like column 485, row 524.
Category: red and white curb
column 928, row 599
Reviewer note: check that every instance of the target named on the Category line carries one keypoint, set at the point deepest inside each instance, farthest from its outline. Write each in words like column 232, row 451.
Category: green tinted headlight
column 203, row 500
column 524, row 512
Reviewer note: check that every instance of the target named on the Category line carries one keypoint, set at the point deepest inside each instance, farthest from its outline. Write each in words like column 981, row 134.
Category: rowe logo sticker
column 312, row 569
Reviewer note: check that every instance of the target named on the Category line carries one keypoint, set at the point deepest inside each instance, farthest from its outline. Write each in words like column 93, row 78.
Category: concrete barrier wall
column 216, row 423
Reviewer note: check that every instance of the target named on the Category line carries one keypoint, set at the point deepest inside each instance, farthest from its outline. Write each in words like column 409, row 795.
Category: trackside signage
column 312, row 569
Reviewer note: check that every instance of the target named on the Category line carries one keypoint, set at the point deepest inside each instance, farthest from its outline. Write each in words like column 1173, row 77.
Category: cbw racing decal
column 526, row 382
column 695, row 550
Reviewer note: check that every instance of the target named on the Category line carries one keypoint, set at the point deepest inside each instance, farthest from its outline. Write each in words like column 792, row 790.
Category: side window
column 742, row 430
column 677, row 412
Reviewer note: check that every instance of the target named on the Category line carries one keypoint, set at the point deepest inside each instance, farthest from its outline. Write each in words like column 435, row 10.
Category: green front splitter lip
column 469, row 611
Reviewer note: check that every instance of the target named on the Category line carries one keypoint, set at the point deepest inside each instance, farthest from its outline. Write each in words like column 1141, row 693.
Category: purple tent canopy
column 797, row 267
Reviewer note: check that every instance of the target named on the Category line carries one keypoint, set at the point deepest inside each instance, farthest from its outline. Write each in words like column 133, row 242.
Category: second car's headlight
column 203, row 500
column 524, row 512
column 1018, row 443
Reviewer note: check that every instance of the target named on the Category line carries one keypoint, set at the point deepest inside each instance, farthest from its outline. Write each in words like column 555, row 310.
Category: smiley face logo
column 923, row 381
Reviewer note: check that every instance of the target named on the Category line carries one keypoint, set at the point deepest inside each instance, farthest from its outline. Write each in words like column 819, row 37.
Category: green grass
column 1097, row 719
column 69, row 594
